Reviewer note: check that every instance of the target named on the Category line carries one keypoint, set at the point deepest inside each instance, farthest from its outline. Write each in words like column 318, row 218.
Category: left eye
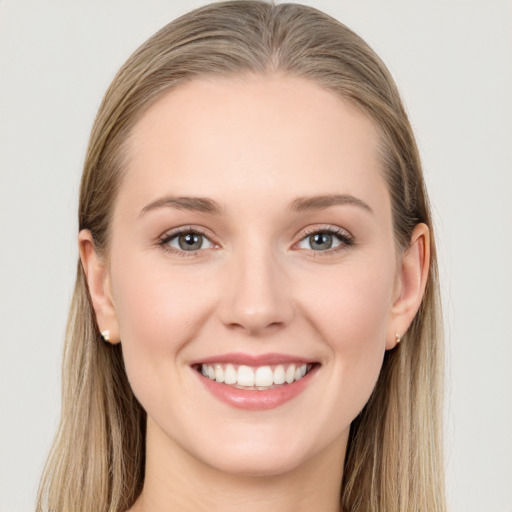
column 189, row 241
column 322, row 241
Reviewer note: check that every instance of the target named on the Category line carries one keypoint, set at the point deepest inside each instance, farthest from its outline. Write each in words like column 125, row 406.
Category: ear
column 98, row 281
column 411, row 281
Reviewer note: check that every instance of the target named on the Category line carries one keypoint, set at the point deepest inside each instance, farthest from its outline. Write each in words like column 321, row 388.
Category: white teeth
column 219, row 373
column 290, row 374
column 301, row 371
column 230, row 374
column 264, row 376
column 245, row 376
column 279, row 375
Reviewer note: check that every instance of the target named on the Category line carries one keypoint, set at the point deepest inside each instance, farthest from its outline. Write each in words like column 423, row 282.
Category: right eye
column 186, row 241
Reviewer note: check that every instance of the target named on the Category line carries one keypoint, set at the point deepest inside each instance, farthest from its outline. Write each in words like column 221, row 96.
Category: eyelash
column 345, row 238
column 170, row 235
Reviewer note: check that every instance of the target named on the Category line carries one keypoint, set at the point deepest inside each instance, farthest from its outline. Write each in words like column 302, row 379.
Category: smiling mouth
column 256, row 378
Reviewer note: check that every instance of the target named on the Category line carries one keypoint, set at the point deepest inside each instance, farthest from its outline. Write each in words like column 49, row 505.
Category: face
column 252, row 273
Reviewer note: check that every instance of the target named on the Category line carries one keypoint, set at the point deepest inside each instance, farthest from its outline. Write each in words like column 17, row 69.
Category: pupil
column 321, row 241
column 190, row 241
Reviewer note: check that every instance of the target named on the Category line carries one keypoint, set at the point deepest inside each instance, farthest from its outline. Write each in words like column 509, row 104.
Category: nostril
column 255, row 298
column 255, row 327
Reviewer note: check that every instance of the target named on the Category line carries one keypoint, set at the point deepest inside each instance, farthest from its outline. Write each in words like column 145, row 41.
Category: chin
column 262, row 464
column 258, row 452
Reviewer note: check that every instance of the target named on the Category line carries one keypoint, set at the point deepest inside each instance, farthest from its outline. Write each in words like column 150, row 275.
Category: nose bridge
column 256, row 297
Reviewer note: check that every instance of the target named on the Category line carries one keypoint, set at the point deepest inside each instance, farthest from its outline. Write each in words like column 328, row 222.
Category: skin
column 253, row 145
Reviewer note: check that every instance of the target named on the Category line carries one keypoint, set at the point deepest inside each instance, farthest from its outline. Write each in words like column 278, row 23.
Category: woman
column 255, row 320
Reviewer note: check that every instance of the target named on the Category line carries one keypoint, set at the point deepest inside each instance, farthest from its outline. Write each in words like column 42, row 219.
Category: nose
column 256, row 298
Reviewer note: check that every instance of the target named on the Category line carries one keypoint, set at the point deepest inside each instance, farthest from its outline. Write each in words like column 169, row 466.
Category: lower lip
column 254, row 399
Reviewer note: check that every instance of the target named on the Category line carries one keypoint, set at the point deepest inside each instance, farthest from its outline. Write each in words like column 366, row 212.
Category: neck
column 177, row 481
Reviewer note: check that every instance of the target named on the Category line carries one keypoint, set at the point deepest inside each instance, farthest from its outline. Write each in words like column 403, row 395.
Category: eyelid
column 163, row 240
column 346, row 238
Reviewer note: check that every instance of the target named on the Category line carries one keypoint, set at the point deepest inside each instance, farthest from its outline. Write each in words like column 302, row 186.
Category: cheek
column 352, row 310
column 152, row 299
column 159, row 311
column 351, row 316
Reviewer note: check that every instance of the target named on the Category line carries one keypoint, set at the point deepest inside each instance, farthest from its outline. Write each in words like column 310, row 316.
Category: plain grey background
column 452, row 61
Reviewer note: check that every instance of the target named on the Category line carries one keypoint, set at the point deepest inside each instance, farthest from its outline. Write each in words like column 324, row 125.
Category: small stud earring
column 105, row 336
column 398, row 338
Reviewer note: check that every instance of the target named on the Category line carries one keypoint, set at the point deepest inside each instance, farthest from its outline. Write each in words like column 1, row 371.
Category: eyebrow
column 306, row 203
column 300, row 204
column 195, row 204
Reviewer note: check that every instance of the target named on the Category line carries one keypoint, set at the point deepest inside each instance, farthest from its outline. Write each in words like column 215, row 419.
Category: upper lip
column 253, row 360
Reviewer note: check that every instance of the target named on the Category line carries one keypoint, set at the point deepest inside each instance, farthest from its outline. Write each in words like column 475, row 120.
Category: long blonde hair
column 394, row 455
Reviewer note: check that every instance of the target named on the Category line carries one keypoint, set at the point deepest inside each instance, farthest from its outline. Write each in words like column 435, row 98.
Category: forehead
column 259, row 136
